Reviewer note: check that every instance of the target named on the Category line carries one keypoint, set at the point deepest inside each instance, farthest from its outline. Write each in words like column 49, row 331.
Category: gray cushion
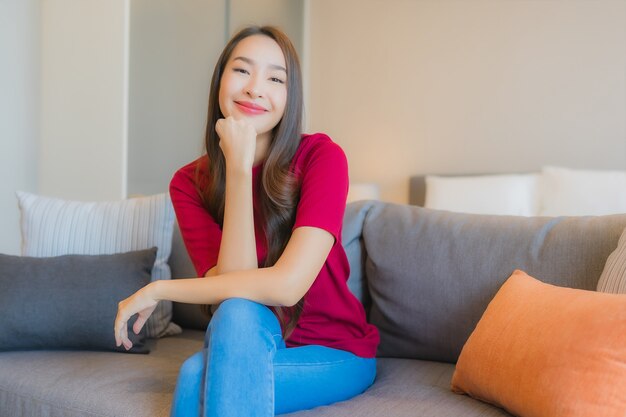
column 69, row 301
column 353, row 245
column 432, row 273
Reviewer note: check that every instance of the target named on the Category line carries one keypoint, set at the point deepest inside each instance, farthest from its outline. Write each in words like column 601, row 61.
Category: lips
column 249, row 107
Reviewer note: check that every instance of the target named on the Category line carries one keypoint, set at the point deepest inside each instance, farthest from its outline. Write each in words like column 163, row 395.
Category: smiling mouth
column 250, row 105
column 250, row 108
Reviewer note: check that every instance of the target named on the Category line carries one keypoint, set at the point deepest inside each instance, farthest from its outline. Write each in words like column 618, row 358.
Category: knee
column 240, row 318
column 235, row 312
column 193, row 366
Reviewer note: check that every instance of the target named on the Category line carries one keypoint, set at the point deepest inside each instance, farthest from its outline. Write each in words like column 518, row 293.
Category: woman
column 261, row 216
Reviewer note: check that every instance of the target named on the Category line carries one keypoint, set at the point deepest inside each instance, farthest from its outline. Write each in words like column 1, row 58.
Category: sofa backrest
column 425, row 277
column 189, row 316
column 431, row 273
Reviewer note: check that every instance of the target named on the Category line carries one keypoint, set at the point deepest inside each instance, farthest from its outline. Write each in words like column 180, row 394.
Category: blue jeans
column 245, row 369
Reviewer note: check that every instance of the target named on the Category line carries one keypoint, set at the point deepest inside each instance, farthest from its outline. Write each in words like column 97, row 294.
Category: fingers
column 121, row 335
column 124, row 337
column 237, row 140
column 219, row 127
column 121, row 332
column 116, row 328
column 231, row 124
column 141, row 320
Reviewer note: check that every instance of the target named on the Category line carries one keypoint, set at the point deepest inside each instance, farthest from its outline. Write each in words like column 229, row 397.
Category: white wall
column 84, row 99
column 454, row 86
column 19, row 112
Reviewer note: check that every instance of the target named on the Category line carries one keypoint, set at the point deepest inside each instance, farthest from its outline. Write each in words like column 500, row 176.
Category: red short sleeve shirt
column 332, row 315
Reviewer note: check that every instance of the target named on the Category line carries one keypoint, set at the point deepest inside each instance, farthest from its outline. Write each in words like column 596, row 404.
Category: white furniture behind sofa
column 554, row 191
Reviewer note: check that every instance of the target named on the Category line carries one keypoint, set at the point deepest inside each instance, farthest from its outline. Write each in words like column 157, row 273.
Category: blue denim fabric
column 245, row 369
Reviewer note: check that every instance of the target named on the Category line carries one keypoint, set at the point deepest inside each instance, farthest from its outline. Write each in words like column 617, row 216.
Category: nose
column 253, row 88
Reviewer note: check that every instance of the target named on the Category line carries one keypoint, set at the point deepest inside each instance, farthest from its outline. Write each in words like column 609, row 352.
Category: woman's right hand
column 237, row 141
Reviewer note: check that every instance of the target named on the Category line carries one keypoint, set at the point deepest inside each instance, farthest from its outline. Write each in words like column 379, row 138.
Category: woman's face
column 254, row 83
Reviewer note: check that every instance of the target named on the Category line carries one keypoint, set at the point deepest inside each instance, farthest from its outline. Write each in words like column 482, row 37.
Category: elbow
column 292, row 290
column 290, row 300
column 287, row 297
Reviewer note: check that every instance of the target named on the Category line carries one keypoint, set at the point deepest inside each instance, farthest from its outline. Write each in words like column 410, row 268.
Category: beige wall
column 84, row 99
column 173, row 49
column 286, row 14
column 412, row 87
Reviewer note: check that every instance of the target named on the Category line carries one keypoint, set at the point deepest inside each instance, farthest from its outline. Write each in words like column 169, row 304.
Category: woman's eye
column 277, row 80
column 241, row 70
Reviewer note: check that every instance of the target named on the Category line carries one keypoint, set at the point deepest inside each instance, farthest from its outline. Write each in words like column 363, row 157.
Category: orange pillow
column 545, row 351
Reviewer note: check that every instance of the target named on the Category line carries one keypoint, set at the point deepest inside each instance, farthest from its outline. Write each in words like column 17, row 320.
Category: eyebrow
column 251, row 62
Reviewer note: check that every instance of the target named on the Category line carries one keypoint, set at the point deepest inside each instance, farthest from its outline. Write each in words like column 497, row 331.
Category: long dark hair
column 279, row 193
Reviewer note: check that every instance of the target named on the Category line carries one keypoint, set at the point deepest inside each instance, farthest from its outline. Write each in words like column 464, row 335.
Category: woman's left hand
column 141, row 302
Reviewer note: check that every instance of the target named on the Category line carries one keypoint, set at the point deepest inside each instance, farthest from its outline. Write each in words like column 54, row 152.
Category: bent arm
column 200, row 231
column 280, row 285
column 238, row 245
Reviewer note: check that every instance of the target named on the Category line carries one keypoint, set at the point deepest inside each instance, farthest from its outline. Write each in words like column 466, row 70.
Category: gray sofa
column 424, row 276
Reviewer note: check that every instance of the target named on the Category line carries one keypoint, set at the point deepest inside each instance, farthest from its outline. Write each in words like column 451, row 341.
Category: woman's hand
column 237, row 141
column 142, row 302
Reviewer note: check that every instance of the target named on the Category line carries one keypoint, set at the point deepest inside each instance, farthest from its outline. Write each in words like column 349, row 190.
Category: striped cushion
column 613, row 278
column 54, row 227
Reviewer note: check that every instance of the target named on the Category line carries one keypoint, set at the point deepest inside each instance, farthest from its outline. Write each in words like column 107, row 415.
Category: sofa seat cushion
column 102, row 384
column 408, row 388
column 94, row 384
